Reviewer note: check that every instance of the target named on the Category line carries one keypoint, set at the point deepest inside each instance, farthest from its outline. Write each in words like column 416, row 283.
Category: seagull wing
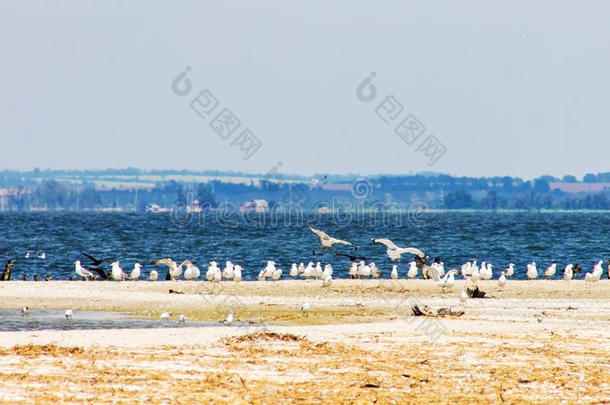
column 166, row 261
column 187, row 261
column 386, row 242
column 101, row 272
column 341, row 241
column 414, row 251
column 321, row 234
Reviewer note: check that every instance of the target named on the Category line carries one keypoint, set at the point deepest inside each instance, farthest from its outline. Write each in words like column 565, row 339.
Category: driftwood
column 475, row 292
column 425, row 311
column 6, row 275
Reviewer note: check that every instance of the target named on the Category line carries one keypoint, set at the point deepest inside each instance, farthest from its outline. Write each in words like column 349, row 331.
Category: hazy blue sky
column 510, row 88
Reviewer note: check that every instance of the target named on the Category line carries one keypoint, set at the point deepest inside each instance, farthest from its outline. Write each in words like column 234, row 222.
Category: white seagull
column 568, row 272
column 165, row 316
column 327, row 241
column 117, row 273
column 135, row 273
column 68, row 314
column 501, row 281
column 413, row 269
column 510, row 270
column 229, row 319
column 327, row 281
column 192, row 272
column 153, row 276
column 237, row 273
column 394, row 272
column 550, row 271
column 83, row 272
column 394, row 251
column 174, row 271
column 447, row 282
column 532, row 273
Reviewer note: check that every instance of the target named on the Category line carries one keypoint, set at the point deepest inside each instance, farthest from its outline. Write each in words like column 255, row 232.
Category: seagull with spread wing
column 327, row 241
column 175, row 269
column 394, row 251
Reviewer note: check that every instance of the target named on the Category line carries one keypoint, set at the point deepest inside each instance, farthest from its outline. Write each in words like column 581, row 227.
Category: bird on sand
column 413, row 269
column 305, row 307
column 117, row 272
column 394, row 251
column 447, row 282
column 174, row 270
column 532, row 273
column 327, row 281
column 237, row 273
column 229, row 319
column 501, row 281
column 568, row 272
column 135, row 273
column 69, row 314
column 510, row 270
column 464, row 296
column 153, row 276
column 192, row 272
column 550, row 271
column 165, row 316
column 327, row 241
column 394, row 272
column 181, row 318
column 83, row 272
column 25, row 311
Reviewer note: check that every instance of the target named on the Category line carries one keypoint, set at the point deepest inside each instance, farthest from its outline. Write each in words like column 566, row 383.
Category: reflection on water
column 38, row 319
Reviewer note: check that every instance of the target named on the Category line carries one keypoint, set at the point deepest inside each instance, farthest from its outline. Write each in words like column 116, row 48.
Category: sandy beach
column 533, row 342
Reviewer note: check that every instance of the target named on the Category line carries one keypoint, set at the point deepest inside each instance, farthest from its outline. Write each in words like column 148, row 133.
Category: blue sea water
column 252, row 239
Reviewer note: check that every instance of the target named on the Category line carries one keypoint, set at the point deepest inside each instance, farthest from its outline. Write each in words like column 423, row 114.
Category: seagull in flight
column 97, row 262
column 325, row 240
column 394, row 251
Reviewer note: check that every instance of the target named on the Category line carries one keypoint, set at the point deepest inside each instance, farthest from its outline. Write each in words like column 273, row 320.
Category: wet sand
column 535, row 341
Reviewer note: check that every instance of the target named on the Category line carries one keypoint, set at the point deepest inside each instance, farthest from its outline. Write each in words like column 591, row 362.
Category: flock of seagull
column 358, row 269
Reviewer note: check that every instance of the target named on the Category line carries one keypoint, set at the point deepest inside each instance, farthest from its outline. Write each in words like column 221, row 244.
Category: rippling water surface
column 499, row 238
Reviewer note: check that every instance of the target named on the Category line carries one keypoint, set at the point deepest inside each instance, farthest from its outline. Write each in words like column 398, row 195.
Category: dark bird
column 351, row 257
column 24, row 277
column 47, row 278
column 6, row 275
column 72, row 277
column 35, row 278
column 94, row 261
column 576, row 269
column 97, row 262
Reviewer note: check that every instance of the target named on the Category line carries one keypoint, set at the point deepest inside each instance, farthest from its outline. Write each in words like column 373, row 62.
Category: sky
column 488, row 88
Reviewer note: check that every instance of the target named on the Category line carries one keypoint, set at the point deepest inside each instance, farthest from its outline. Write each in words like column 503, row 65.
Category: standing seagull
column 532, row 273
column 550, row 271
column 153, row 276
column 117, row 272
column 174, row 270
column 135, row 273
column 83, row 272
column 192, row 271
column 327, row 241
column 394, row 273
column 501, row 281
column 394, row 251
